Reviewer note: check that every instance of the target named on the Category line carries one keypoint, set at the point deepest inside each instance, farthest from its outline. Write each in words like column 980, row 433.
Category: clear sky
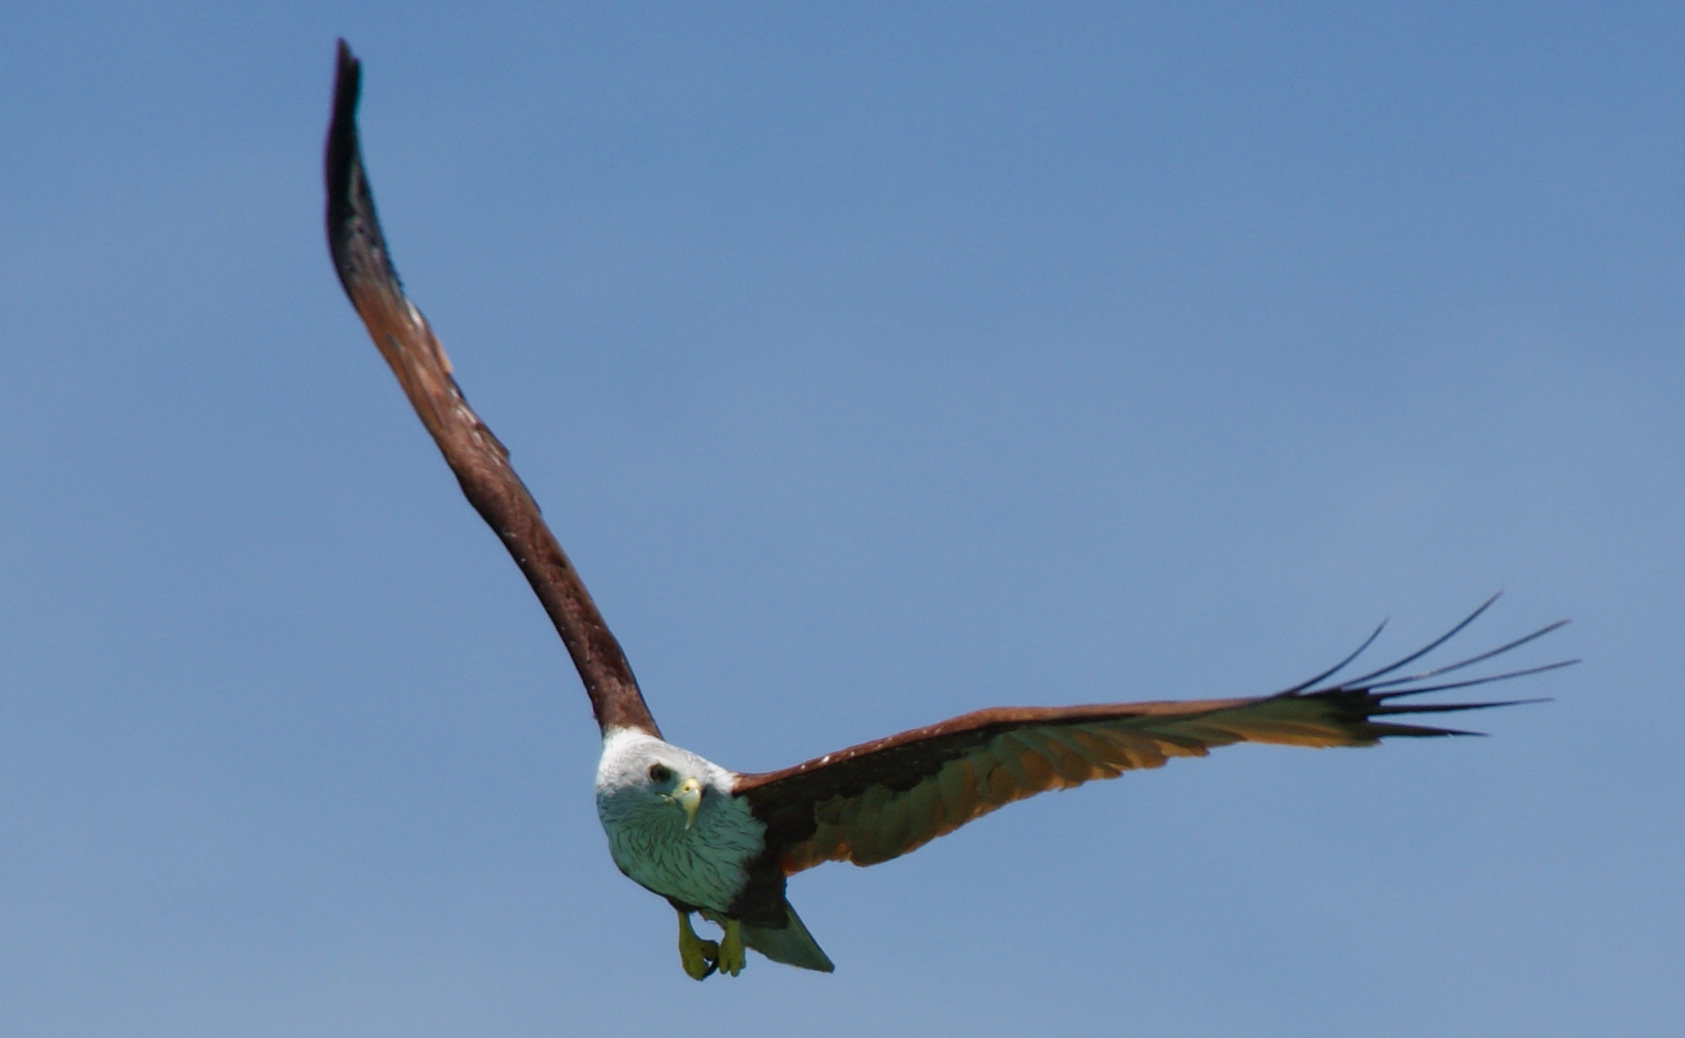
column 875, row 362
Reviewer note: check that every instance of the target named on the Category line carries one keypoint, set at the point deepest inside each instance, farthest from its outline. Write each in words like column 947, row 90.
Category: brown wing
column 480, row 462
column 879, row 800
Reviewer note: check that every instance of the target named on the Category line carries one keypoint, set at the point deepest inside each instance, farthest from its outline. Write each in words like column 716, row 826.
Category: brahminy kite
column 723, row 843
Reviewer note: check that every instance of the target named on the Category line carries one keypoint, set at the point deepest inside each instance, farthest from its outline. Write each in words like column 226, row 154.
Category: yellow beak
column 689, row 797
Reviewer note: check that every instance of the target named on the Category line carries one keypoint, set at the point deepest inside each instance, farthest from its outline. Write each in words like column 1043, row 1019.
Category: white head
column 672, row 821
column 644, row 781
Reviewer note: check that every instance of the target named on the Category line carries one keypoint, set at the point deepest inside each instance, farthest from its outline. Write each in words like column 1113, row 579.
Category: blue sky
column 875, row 362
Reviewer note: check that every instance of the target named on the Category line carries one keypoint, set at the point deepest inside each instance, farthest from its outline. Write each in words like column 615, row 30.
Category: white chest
column 704, row 865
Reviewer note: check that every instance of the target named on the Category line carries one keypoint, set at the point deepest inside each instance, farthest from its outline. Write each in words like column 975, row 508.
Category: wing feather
column 959, row 788
column 881, row 799
column 480, row 462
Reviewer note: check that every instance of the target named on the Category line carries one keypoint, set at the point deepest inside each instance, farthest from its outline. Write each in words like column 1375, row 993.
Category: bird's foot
column 699, row 957
column 732, row 957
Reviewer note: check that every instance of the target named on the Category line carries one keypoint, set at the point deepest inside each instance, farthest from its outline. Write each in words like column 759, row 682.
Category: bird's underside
column 723, row 844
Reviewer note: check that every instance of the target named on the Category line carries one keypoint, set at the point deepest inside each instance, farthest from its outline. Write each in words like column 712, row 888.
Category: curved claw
column 699, row 957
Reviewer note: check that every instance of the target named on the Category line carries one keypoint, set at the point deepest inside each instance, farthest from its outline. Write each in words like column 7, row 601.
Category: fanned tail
column 790, row 944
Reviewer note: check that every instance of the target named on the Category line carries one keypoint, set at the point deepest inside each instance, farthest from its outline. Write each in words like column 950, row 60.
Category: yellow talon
column 698, row 957
column 732, row 958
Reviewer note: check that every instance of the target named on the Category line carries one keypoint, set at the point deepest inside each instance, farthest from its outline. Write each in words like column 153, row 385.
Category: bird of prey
column 722, row 843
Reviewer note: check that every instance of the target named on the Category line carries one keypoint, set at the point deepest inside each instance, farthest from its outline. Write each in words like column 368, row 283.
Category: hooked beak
column 689, row 797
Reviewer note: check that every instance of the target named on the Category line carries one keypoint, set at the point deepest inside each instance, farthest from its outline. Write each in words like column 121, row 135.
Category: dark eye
column 660, row 772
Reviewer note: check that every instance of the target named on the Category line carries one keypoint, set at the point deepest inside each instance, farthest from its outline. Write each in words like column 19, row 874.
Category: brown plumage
column 881, row 799
column 864, row 804
column 480, row 462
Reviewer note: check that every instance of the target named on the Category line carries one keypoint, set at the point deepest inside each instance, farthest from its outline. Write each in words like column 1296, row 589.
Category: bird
column 722, row 844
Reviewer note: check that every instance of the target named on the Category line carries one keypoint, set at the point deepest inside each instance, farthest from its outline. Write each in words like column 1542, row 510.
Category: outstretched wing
column 881, row 799
column 480, row 462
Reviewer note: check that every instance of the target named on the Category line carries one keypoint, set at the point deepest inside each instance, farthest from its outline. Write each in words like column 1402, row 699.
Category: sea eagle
column 722, row 843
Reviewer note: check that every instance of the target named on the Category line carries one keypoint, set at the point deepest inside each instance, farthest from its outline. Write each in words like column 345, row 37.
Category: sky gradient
column 874, row 363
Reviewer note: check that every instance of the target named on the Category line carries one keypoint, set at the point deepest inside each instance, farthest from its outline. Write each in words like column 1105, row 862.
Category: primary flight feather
column 722, row 843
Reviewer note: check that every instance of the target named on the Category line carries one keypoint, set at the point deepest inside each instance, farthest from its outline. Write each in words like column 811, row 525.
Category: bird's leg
column 699, row 957
column 732, row 956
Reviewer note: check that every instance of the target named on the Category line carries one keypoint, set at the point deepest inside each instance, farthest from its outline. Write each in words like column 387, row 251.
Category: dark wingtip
column 347, row 83
column 1443, row 708
column 354, row 237
column 1369, row 698
column 341, row 157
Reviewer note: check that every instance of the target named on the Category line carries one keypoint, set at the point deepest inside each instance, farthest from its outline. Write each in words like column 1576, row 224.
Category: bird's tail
column 790, row 944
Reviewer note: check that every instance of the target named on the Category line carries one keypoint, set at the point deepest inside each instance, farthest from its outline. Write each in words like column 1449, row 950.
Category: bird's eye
column 660, row 772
